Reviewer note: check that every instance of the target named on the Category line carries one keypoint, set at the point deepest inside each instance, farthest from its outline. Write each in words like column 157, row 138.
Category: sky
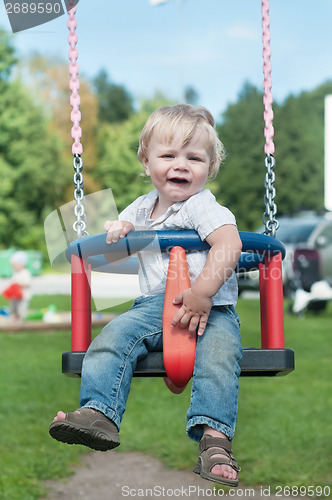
column 213, row 45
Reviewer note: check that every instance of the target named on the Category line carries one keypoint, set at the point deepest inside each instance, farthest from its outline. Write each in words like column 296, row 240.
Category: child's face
column 17, row 266
column 177, row 172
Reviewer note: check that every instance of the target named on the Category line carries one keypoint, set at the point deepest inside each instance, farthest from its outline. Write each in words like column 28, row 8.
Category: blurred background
column 134, row 56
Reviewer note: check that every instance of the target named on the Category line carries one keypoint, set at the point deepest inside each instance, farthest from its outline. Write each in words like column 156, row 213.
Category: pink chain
column 74, row 84
column 268, row 112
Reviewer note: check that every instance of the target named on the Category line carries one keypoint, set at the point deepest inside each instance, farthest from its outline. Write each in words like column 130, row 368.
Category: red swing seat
column 260, row 251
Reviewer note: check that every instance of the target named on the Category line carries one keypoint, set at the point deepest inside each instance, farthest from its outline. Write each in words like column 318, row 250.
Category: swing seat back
column 178, row 344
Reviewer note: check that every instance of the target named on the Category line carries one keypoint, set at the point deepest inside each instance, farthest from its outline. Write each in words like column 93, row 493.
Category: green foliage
column 240, row 183
column 115, row 102
column 28, row 158
column 47, row 82
column 191, row 95
column 29, row 164
column 7, row 56
column 299, row 141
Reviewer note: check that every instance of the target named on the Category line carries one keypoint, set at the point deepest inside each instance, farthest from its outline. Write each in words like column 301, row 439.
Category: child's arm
column 222, row 258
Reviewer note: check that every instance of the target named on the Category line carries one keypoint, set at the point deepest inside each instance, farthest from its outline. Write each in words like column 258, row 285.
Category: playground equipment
column 263, row 252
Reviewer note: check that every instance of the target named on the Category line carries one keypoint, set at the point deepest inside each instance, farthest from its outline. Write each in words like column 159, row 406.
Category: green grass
column 283, row 433
column 288, row 439
column 32, row 389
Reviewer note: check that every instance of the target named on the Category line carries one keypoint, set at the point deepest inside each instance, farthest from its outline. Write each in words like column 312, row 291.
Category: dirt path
column 115, row 476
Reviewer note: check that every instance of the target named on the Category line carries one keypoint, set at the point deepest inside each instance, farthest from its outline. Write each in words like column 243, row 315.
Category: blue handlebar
column 255, row 246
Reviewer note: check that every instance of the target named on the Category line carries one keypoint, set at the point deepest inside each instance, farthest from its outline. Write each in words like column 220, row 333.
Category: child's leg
column 22, row 308
column 13, row 308
column 111, row 359
column 214, row 398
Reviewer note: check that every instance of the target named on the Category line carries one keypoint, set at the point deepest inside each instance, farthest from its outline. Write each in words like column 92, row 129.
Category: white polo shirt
column 200, row 212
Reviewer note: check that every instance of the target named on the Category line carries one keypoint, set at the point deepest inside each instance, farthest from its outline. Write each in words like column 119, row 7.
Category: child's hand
column 194, row 311
column 117, row 229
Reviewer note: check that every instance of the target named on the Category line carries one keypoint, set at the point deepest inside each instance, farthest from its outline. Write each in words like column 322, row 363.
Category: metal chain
column 267, row 69
column 79, row 225
column 270, row 222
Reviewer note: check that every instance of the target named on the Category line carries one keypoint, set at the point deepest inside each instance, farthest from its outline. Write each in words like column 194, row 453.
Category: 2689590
column 33, row 8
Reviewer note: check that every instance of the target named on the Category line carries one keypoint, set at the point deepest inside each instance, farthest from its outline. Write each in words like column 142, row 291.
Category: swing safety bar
column 259, row 252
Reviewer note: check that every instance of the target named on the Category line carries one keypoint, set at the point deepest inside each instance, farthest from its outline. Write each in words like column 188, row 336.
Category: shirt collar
column 149, row 203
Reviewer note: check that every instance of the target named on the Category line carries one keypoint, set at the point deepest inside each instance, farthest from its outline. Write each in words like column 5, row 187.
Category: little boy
column 18, row 292
column 179, row 149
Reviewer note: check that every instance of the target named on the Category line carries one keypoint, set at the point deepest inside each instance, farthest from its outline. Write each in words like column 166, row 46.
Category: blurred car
column 308, row 241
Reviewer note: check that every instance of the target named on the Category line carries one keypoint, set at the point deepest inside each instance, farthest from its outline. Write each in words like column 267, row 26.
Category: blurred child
column 18, row 292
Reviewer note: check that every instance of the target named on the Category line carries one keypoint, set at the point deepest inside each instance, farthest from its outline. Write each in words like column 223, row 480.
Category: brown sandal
column 88, row 427
column 210, row 446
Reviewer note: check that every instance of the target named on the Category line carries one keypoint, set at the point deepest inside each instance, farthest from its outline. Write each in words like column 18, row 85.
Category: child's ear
column 146, row 166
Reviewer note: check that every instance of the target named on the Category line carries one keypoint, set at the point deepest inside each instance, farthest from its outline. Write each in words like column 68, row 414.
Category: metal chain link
column 79, row 225
column 270, row 222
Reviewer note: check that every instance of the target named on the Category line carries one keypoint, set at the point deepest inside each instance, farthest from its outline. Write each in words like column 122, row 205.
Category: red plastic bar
column 274, row 337
column 178, row 344
column 80, row 304
column 263, row 311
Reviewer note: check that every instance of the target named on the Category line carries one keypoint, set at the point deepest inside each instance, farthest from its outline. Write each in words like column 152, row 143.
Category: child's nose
column 182, row 163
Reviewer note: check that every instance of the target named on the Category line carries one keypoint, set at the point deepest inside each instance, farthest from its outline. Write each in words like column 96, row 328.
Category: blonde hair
column 168, row 120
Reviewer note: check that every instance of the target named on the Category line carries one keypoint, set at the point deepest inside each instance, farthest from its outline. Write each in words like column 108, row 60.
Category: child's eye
column 167, row 155
column 194, row 158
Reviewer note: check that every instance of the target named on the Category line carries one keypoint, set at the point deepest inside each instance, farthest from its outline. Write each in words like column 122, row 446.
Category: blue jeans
column 111, row 360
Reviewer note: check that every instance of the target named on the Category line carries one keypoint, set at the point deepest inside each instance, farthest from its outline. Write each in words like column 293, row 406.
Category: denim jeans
column 111, row 360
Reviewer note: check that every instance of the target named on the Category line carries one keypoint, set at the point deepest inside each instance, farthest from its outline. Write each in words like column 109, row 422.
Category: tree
column 240, row 183
column 29, row 157
column 49, row 84
column 7, row 56
column 299, row 154
column 32, row 177
column 191, row 95
column 115, row 102
column 299, row 139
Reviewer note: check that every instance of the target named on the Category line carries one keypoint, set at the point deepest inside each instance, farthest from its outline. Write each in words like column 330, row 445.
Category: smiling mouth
column 177, row 180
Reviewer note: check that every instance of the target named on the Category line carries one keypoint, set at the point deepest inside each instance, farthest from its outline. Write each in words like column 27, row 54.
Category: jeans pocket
column 135, row 302
column 234, row 314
